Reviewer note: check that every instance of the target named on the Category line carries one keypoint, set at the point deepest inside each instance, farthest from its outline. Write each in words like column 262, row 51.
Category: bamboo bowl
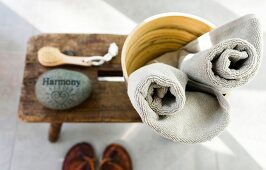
column 160, row 34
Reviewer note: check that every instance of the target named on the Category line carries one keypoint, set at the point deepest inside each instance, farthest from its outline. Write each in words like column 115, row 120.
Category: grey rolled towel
column 193, row 116
column 226, row 57
column 160, row 87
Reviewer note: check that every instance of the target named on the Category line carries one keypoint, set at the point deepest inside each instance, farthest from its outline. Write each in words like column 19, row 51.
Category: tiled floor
column 25, row 146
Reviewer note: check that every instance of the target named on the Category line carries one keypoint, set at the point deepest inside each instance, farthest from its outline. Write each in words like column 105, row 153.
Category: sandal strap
column 87, row 161
column 108, row 161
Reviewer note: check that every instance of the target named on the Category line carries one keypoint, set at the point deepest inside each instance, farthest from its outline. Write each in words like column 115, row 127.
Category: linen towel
column 160, row 86
column 193, row 116
column 226, row 57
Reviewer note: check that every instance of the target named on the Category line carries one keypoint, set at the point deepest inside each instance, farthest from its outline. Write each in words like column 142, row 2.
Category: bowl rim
column 149, row 19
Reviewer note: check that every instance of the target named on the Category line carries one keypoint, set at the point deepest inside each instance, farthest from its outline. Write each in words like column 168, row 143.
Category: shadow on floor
column 14, row 33
column 148, row 150
column 151, row 151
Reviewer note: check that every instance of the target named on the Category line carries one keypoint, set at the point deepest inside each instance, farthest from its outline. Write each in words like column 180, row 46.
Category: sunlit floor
column 25, row 146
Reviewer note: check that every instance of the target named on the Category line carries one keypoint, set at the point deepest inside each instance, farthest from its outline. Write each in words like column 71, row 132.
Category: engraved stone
column 62, row 89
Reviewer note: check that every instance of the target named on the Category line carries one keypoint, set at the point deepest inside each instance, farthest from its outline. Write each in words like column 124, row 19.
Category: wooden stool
column 109, row 101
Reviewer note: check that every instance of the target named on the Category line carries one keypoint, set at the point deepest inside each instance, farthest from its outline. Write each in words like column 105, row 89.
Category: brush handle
column 51, row 56
column 81, row 61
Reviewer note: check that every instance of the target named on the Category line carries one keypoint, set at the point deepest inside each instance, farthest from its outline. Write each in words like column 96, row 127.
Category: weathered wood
column 109, row 101
column 54, row 132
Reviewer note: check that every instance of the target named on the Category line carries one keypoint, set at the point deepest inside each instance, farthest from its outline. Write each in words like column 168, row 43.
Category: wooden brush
column 51, row 56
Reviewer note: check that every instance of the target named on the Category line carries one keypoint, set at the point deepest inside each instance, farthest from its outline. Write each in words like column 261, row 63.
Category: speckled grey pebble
column 62, row 89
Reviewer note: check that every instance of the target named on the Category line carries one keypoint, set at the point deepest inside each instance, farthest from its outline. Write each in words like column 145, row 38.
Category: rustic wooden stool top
column 108, row 102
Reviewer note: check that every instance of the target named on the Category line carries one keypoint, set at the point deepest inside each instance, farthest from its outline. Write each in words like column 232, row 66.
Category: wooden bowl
column 160, row 34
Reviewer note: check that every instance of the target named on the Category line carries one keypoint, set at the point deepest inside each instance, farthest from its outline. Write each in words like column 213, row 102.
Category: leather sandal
column 80, row 157
column 115, row 157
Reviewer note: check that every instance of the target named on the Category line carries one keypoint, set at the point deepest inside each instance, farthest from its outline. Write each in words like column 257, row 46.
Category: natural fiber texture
column 162, row 87
column 227, row 57
column 191, row 117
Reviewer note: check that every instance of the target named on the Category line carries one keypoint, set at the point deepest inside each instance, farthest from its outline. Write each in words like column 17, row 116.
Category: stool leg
column 54, row 131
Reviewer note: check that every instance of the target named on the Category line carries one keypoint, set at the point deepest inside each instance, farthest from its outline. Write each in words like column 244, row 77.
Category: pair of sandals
column 82, row 157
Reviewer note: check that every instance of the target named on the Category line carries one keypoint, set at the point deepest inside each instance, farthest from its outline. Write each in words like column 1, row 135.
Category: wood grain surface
column 109, row 101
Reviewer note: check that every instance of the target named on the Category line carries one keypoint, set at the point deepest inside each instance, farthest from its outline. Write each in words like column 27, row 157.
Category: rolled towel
column 195, row 116
column 229, row 64
column 226, row 57
column 158, row 86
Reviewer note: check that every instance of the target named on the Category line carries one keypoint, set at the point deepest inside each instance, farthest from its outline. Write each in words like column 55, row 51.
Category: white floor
column 25, row 146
